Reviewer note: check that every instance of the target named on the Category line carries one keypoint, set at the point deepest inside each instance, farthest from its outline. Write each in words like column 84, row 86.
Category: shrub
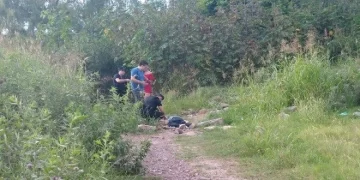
column 49, row 127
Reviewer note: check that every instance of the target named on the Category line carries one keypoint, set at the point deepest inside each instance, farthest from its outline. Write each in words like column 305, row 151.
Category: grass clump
column 196, row 100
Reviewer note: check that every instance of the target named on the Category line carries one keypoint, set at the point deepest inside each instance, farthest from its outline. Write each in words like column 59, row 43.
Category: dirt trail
column 163, row 159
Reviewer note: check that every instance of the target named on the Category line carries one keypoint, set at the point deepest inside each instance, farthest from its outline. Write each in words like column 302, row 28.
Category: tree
column 213, row 39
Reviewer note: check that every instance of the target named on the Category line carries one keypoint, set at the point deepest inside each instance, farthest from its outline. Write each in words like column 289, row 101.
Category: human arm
column 160, row 106
column 118, row 80
column 150, row 78
column 161, row 109
column 134, row 74
column 133, row 79
column 147, row 80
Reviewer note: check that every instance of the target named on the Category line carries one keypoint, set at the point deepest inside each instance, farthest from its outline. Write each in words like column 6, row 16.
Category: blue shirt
column 139, row 75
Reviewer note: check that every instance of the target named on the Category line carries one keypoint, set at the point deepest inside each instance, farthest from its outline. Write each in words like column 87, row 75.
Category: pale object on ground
column 284, row 115
column 219, row 111
column 222, row 127
column 290, row 109
column 182, row 126
column 357, row 114
column 144, row 127
column 210, row 127
column 227, row 127
column 217, row 121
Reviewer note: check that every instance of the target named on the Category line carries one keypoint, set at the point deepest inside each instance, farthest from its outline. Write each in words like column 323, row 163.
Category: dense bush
column 188, row 43
column 306, row 77
column 50, row 128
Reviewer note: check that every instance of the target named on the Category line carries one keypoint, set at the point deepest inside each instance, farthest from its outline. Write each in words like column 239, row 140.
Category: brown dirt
column 163, row 160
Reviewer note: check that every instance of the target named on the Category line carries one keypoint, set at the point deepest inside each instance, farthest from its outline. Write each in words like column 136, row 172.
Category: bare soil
column 166, row 158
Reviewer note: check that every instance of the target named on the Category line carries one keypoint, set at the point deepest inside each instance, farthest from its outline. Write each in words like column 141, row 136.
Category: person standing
column 120, row 82
column 138, row 80
column 150, row 79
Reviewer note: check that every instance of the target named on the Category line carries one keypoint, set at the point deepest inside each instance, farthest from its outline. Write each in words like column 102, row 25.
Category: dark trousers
column 156, row 115
column 152, row 114
column 136, row 97
column 121, row 93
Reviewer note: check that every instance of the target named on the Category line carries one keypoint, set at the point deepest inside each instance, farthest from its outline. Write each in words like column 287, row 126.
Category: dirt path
column 163, row 160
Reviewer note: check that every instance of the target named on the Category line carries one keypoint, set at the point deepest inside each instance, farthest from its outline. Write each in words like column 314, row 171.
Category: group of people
column 141, row 84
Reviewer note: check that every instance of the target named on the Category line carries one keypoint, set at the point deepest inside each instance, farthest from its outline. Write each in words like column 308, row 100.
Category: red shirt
column 150, row 79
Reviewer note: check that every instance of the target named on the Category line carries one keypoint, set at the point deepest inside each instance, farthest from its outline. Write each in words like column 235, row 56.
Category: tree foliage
column 190, row 43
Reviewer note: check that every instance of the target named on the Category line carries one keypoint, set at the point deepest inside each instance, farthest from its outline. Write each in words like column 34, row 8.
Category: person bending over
column 152, row 107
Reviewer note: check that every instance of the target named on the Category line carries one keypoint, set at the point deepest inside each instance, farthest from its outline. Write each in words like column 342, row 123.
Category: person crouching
column 153, row 108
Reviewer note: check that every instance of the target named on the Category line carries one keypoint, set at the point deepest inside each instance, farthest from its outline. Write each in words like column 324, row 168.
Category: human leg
column 136, row 96
column 158, row 115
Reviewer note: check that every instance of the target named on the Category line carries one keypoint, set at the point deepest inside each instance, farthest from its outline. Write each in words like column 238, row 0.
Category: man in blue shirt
column 138, row 80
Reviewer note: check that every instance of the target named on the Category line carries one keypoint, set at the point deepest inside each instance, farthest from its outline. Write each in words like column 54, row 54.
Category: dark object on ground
column 176, row 121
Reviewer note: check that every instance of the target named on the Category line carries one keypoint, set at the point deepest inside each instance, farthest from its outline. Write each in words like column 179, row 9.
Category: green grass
column 199, row 99
column 314, row 142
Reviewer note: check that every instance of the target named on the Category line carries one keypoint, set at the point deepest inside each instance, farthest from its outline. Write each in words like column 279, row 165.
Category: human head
column 161, row 97
column 148, row 70
column 143, row 65
column 121, row 71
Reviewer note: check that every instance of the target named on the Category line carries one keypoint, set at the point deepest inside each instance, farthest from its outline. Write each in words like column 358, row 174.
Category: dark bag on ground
column 175, row 121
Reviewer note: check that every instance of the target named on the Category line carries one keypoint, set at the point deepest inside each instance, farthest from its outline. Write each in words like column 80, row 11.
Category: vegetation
column 217, row 41
column 59, row 118
column 51, row 125
column 315, row 142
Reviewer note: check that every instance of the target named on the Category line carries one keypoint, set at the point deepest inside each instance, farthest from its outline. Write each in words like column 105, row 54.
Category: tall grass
column 314, row 142
column 196, row 100
column 51, row 125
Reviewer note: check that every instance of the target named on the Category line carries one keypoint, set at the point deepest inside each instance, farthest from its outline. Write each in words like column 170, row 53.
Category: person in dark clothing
column 152, row 107
column 120, row 82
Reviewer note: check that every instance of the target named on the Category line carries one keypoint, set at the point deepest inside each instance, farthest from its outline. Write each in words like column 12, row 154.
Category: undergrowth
column 52, row 125
column 314, row 142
